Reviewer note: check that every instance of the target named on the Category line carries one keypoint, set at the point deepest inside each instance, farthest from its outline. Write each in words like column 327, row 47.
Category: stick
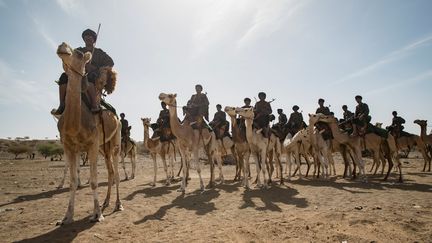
column 97, row 35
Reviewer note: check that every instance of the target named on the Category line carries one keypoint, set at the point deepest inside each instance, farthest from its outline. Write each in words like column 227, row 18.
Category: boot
column 62, row 96
column 91, row 91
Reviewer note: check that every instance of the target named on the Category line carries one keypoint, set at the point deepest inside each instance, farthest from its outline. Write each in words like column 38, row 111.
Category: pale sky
column 295, row 51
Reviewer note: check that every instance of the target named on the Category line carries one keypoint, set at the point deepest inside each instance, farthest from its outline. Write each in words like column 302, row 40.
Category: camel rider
column 396, row 125
column 162, row 125
column 124, row 129
column 247, row 103
column 282, row 118
column 198, row 106
column 347, row 114
column 295, row 122
column 99, row 59
column 321, row 126
column 219, row 124
column 262, row 111
column 322, row 109
column 361, row 116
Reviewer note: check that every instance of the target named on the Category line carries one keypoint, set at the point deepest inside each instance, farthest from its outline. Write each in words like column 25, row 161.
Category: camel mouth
column 64, row 49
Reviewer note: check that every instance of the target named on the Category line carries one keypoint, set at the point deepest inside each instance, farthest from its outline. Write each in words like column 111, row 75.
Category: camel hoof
column 97, row 218
column 152, row 184
column 118, row 207
column 181, row 190
column 65, row 221
column 60, row 187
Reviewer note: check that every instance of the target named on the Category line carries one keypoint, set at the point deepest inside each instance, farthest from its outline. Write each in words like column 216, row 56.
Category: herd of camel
column 82, row 131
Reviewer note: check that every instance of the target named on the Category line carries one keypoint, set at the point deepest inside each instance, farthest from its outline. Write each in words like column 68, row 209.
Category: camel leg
column 246, row 171
column 171, row 162
column 133, row 161
column 71, row 158
column 181, row 167
column 109, row 166
column 258, row 166
column 66, row 167
column 298, row 163
column 288, row 165
column 211, row 163
column 93, row 153
column 217, row 157
column 155, row 167
column 264, row 170
column 390, row 161
column 123, row 155
column 168, row 181
column 184, row 169
column 115, row 160
column 198, row 168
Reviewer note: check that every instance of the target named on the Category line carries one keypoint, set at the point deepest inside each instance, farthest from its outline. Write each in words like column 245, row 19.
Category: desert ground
column 302, row 210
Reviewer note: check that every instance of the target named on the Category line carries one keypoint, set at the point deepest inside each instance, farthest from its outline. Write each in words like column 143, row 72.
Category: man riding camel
column 262, row 111
column 295, row 122
column 396, row 126
column 219, row 124
column 361, row 117
column 198, row 106
column 99, row 59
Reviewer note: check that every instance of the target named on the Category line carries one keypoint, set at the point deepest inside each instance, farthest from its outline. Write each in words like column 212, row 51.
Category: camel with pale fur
column 163, row 149
column 353, row 143
column 80, row 130
column 241, row 147
column 258, row 145
column 296, row 146
column 427, row 141
column 190, row 140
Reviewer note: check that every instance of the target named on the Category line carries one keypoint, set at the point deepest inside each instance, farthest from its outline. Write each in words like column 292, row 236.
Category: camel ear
column 87, row 56
column 175, row 95
column 309, row 114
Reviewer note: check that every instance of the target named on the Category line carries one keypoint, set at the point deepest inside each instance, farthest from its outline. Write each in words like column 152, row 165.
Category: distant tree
column 50, row 149
column 18, row 149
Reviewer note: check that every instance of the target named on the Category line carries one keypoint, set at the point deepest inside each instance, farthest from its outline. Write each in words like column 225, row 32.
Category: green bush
column 50, row 149
column 18, row 149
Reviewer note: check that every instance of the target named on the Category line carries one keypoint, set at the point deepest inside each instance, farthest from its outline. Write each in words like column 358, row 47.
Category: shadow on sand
column 66, row 233
column 47, row 194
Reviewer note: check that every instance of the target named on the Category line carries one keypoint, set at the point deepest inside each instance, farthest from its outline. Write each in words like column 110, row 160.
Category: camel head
column 326, row 119
column 379, row 124
column 169, row 99
column 246, row 113
column 146, row 121
column 231, row 111
column 313, row 118
column 421, row 123
column 73, row 60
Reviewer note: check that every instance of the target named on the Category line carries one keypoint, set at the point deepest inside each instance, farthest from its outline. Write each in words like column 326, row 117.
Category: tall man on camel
column 99, row 59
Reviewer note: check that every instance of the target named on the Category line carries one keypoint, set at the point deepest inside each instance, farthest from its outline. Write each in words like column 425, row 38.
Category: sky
column 295, row 51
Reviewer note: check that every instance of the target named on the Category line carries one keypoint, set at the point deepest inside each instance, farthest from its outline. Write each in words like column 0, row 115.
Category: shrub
column 18, row 149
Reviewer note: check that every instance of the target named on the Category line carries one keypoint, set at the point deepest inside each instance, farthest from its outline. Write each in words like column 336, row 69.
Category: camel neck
column 249, row 130
column 236, row 133
column 174, row 122
column 146, row 136
column 338, row 136
column 72, row 113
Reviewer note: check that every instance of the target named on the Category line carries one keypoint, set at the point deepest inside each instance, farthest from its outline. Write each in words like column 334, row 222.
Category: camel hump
column 107, row 80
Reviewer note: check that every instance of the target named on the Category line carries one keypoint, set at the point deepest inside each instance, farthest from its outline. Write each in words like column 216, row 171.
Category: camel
column 190, row 140
column 353, row 143
column 241, row 147
column 163, row 149
column 321, row 149
column 295, row 146
column 258, row 145
column 80, row 130
column 129, row 148
column 274, row 151
column 427, row 141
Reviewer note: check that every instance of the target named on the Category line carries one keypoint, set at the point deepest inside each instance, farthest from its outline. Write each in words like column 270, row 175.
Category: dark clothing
column 361, row 115
column 164, row 118
column 125, row 125
column 348, row 115
column 323, row 110
column 262, row 111
column 246, row 106
column 99, row 59
column 398, row 121
column 282, row 119
column 295, row 121
column 198, row 106
column 220, row 125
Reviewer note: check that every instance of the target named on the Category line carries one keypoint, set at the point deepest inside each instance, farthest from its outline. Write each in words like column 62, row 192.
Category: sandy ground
column 307, row 210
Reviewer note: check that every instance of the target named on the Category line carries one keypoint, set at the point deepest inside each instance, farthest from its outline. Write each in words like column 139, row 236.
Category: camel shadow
column 196, row 201
column 45, row 195
column 66, row 233
column 272, row 196
column 152, row 192
column 374, row 182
